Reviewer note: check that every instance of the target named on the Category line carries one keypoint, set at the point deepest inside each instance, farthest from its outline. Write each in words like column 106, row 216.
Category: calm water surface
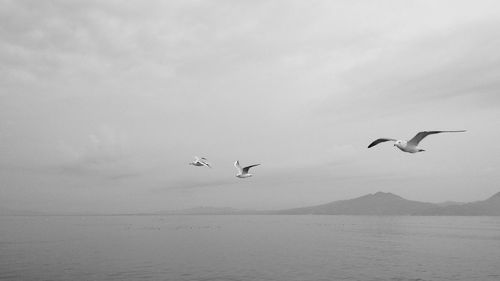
column 249, row 248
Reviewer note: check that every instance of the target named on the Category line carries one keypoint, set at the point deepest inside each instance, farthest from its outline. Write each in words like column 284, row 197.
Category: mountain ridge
column 378, row 204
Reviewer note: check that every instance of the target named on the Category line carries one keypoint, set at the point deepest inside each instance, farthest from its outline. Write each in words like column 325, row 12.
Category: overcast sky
column 104, row 103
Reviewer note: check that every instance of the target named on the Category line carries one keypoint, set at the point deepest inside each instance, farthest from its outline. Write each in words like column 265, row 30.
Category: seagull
column 243, row 172
column 200, row 162
column 411, row 145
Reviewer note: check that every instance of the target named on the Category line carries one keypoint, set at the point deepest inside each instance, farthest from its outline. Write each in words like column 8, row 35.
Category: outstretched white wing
column 204, row 162
column 421, row 135
column 238, row 167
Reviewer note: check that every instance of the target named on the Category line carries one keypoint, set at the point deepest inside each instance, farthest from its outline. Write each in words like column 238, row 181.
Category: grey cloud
column 440, row 65
column 123, row 94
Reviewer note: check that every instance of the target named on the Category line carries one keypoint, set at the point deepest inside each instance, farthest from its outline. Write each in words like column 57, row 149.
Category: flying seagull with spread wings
column 243, row 172
column 200, row 162
column 411, row 146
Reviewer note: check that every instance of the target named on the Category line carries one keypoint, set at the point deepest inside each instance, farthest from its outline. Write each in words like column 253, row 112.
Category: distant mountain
column 488, row 207
column 379, row 203
column 449, row 203
column 382, row 203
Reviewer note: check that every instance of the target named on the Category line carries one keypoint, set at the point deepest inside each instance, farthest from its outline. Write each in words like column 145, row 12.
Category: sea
column 241, row 248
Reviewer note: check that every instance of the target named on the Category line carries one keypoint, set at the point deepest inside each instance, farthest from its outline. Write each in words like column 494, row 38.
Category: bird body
column 407, row 147
column 243, row 172
column 410, row 146
column 242, row 176
column 199, row 162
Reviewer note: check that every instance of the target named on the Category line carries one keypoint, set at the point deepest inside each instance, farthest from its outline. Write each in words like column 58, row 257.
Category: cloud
column 440, row 65
column 124, row 93
column 80, row 41
column 104, row 154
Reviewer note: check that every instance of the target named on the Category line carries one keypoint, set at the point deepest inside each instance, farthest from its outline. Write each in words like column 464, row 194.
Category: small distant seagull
column 200, row 162
column 411, row 145
column 243, row 172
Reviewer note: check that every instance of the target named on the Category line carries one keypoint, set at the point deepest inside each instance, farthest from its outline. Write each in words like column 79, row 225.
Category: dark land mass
column 377, row 204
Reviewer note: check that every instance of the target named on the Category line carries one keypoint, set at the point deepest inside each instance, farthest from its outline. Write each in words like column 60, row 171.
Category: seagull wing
column 421, row 135
column 204, row 162
column 238, row 167
column 245, row 170
column 374, row 143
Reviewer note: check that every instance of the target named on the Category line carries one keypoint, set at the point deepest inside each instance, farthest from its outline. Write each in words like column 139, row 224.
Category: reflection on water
column 249, row 248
